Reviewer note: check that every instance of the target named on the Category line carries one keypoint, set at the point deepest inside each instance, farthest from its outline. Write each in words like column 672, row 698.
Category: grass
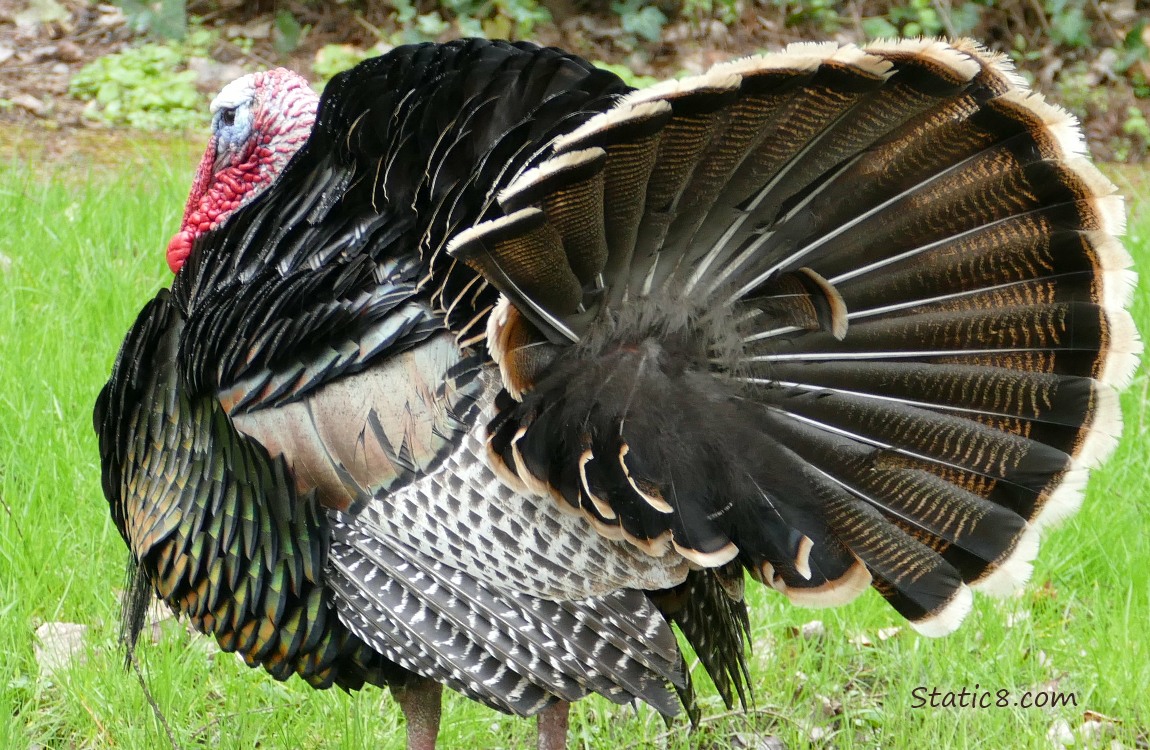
column 86, row 250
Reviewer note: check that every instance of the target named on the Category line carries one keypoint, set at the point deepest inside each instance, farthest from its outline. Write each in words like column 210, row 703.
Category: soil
column 38, row 59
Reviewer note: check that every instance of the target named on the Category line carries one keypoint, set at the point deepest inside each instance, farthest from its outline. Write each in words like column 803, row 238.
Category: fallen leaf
column 1093, row 733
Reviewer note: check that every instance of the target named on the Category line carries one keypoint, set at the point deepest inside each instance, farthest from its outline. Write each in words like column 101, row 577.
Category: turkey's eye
column 228, row 117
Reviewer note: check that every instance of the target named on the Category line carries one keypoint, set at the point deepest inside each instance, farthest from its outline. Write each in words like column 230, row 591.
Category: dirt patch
column 39, row 58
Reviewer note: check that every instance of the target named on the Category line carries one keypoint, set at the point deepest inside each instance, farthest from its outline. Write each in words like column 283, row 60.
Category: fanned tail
column 848, row 316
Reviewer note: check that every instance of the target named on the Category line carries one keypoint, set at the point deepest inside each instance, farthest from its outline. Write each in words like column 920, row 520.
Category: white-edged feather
column 1064, row 500
column 714, row 559
column 611, row 118
column 479, row 231
column 1104, row 195
column 1124, row 351
column 715, row 79
column 937, row 50
column 1060, row 123
column 860, row 59
column 946, row 620
column 778, row 61
column 1014, row 570
column 535, row 175
column 836, row 593
column 1104, row 430
column 997, row 64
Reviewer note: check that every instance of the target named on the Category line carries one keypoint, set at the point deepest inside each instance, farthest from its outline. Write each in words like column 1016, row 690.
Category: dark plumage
column 510, row 368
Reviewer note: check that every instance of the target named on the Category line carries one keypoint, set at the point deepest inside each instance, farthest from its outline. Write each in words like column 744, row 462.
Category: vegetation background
column 152, row 65
column 102, row 115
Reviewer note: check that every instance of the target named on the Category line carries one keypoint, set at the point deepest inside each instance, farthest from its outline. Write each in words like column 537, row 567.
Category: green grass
column 86, row 250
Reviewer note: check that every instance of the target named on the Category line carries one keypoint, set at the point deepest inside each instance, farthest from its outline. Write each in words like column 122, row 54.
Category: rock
column 748, row 741
column 41, row 13
column 69, row 52
column 57, row 646
column 110, row 16
column 829, row 707
column 1060, row 734
column 44, row 52
column 813, row 630
column 212, row 75
column 31, row 104
column 818, row 734
column 1093, row 733
column 6, row 52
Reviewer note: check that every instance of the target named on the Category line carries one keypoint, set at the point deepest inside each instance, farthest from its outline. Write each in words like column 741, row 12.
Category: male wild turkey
column 511, row 368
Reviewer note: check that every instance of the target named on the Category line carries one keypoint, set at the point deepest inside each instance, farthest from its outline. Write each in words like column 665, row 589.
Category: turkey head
column 258, row 122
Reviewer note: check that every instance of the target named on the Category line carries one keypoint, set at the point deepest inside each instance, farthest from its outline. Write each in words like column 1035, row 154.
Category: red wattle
column 179, row 249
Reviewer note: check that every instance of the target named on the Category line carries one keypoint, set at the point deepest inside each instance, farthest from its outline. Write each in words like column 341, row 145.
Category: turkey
column 486, row 370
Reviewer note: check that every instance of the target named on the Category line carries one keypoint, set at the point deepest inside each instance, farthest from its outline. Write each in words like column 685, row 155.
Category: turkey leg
column 552, row 727
column 420, row 701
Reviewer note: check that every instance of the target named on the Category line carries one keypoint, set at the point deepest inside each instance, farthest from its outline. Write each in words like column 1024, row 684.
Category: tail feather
column 700, row 112
column 1072, row 338
column 794, row 145
column 966, row 527
column 630, row 134
column 845, row 316
column 570, row 190
column 917, row 582
column 1063, row 412
column 988, row 187
column 709, row 610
